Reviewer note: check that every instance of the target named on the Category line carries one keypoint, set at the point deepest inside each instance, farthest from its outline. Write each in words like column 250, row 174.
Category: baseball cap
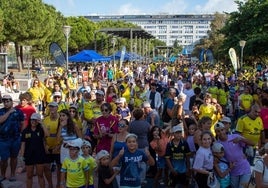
column 146, row 104
column 131, row 135
column 100, row 92
column 86, row 143
column 218, row 125
column 56, row 93
column 36, row 116
column 73, row 106
column 6, row 97
column 75, row 143
column 120, row 100
column 217, row 147
column 226, row 119
column 177, row 128
column 53, row 104
column 101, row 154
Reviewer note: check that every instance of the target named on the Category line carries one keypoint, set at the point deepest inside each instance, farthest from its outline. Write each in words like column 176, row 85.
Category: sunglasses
column 5, row 101
column 121, row 125
column 105, row 110
column 72, row 111
column 57, row 97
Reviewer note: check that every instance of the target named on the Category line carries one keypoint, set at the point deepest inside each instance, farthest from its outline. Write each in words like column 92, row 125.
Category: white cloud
column 213, row 6
column 127, row 9
column 175, row 6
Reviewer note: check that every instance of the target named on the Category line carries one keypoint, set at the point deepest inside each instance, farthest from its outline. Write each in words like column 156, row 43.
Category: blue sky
column 127, row 7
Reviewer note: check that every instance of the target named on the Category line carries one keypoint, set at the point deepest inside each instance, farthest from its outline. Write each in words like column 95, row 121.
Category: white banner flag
column 233, row 58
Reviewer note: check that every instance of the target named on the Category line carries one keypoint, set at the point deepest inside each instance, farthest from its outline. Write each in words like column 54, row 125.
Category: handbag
column 212, row 181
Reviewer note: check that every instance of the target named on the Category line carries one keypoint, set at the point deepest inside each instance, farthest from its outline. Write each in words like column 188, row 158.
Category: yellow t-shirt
column 91, row 110
column 52, row 127
column 78, row 122
column 222, row 97
column 249, row 128
column 48, row 95
column 75, row 171
column 37, row 93
column 91, row 162
column 213, row 90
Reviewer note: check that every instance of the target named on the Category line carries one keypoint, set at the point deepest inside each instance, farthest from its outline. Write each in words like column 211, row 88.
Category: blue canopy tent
column 127, row 57
column 88, row 56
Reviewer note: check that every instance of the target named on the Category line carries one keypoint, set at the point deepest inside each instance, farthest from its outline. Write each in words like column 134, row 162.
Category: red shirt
column 27, row 111
column 105, row 125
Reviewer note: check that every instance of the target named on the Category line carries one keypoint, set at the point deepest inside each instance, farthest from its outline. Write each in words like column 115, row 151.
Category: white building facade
column 186, row 29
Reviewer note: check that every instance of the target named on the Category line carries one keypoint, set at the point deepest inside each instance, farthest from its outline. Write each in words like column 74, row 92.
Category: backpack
column 165, row 117
column 252, row 180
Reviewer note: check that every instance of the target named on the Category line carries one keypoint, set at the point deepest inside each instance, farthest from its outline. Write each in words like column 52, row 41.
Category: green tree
column 26, row 23
column 249, row 23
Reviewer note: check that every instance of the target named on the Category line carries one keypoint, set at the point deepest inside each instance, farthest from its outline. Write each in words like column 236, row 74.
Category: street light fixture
column 66, row 30
column 242, row 44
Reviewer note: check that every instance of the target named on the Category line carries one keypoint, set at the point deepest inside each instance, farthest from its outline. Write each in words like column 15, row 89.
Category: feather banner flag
column 233, row 58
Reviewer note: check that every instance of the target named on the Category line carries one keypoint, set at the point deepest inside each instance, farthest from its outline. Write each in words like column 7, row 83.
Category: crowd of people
column 180, row 124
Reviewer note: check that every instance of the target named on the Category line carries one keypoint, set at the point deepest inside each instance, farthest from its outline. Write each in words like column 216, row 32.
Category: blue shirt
column 131, row 168
column 11, row 127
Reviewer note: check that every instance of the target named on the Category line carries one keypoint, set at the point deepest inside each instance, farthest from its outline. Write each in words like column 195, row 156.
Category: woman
column 140, row 127
column 37, row 92
column 119, row 141
column 110, row 93
column 67, row 131
column 75, row 116
column 264, row 117
column 33, row 150
column 261, row 170
column 105, row 127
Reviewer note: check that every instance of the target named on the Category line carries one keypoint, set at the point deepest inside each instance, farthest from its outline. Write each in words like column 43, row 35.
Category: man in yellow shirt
column 250, row 126
column 73, row 87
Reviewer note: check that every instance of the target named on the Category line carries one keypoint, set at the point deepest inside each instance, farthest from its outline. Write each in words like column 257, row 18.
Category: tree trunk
column 18, row 56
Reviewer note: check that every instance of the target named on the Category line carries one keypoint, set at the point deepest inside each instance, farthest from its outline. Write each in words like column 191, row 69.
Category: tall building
column 186, row 29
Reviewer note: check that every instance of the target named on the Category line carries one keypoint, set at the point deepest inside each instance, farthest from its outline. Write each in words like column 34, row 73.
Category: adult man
column 168, row 106
column 73, row 86
column 189, row 92
column 250, row 126
column 152, row 115
column 154, row 97
column 84, row 87
column 11, row 120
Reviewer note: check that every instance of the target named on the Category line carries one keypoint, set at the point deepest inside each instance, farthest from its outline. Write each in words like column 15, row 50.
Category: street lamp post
column 242, row 44
column 113, row 41
column 66, row 30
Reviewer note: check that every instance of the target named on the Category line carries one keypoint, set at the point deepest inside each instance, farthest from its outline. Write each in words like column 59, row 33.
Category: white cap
column 226, row 119
column 177, row 128
column 75, row 143
column 217, row 147
column 101, row 154
column 100, row 92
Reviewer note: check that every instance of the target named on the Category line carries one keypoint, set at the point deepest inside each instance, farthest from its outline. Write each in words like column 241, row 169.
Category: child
column 86, row 149
column 74, row 168
column 130, row 160
column 122, row 110
column 159, row 144
column 203, row 163
column 105, row 173
column 222, row 167
column 177, row 158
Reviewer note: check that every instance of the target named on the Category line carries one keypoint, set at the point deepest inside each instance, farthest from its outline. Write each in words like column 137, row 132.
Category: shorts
column 161, row 162
column 50, row 158
column 34, row 158
column 9, row 147
column 266, row 133
column 72, row 93
column 180, row 179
